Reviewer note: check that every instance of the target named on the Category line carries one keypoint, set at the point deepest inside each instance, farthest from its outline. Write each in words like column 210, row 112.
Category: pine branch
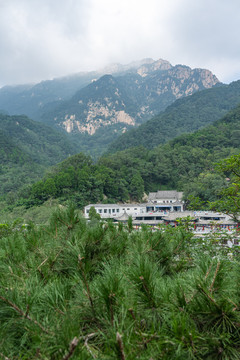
column 86, row 283
column 208, row 271
column 72, row 347
column 215, row 275
column 207, row 295
column 24, row 314
column 74, row 343
column 120, row 345
column 132, row 313
column 87, row 346
column 55, row 259
column 42, row 263
column 4, row 357
column 146, row 288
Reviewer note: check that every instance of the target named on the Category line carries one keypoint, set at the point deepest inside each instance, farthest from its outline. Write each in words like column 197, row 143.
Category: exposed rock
column 143, row 90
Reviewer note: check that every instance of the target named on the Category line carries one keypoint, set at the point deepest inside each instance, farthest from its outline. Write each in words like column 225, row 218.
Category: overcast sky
column 43, row 39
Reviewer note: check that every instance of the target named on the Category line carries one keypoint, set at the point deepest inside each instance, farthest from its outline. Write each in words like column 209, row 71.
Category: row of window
column 105, row 211
column 110, row 211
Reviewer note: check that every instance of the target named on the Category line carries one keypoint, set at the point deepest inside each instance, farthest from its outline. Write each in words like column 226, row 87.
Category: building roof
column 168, row 194
column 123, row 217
column 116, row 205
column 147, row 222
column 102, row 205
column 130, row 205
column 172, row 216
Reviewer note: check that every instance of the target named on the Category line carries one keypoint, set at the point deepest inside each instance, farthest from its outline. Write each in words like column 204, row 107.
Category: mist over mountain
column 129, row 99
column 108, row 102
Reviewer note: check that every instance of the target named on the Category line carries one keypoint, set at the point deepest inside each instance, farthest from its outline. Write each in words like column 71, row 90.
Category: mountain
column 183, row 116
column 34, row 99
column 127, row 174
column 105, row 103
column 27, row 148
column 129, row 99
column 31, row 99
column 43, row 144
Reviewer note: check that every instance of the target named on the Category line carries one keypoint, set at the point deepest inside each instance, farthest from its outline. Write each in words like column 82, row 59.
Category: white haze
column 42, row 39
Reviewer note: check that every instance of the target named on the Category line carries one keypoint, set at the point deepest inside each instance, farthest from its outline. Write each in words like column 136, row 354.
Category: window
column 109, row 210
column 105, row 211
column 87, row 211
column 113, row 210
column 100, row 211
column 128, row 208
column 135, row 208
column 117, row 210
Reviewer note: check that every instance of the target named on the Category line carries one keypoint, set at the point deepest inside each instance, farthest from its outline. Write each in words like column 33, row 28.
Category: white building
column 169, row 200
column 111, row 211
column 159, row 203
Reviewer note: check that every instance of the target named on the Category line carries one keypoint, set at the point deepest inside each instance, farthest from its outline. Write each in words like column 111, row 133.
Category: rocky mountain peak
column 132, row 98
column 113, row 99
column 149, row 67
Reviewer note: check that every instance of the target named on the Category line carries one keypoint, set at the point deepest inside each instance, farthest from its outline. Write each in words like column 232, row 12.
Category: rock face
column 115, row 98
column 134, row 95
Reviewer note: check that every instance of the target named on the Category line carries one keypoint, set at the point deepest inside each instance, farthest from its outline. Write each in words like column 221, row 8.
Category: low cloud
column 44, row 39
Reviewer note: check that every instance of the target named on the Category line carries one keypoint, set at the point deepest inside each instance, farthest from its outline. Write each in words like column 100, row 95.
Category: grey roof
column 179, row 215
column 123, row 217
column 216, row 222
column 130, row 205
column 147, row 222
column 168, row 194
column 103, row 205
column 126, row 205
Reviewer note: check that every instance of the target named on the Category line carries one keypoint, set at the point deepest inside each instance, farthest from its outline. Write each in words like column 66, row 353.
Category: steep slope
column 17, row 168
column 101, row 103
column 33, row 99
column 183, row 116
column 11, row 153
column 128, row 174
column 27, row 148
column 43, row 144
column 129, row 99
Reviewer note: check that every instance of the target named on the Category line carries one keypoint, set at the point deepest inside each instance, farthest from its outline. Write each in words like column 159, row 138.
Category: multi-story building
column 159, row 203
column 164, row 207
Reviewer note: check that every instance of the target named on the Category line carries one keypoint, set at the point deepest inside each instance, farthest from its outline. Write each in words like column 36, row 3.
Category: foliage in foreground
column 95, row 291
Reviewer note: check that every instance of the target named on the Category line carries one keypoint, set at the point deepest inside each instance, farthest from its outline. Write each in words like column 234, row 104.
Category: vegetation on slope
column 40, row 142
column 183, row 116
column 185, row 163
column 27, row 148
column 95, row 291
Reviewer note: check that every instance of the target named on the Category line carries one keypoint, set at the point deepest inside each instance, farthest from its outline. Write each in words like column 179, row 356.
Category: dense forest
column 77, row 289
column 186, row 163
column 185, row 115
column 27, row 149
column 81, row 290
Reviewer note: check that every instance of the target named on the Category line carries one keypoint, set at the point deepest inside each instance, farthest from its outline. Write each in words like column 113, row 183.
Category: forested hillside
column 128, row 174
column 39, row 141
column 27, row 148
column 183, row 116
column 93, row 108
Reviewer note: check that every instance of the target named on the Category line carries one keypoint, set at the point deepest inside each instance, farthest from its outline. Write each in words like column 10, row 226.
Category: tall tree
column 230, row 197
